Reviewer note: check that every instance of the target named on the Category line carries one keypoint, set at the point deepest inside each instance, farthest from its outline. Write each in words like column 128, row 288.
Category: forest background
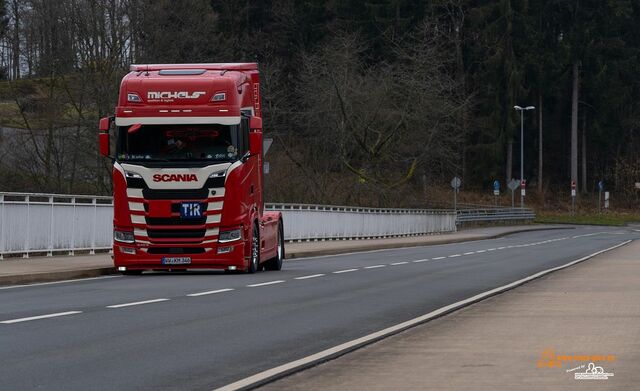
column 374, row 103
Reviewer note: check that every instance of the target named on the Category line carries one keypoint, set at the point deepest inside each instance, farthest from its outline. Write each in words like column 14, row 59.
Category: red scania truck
column 188, row 171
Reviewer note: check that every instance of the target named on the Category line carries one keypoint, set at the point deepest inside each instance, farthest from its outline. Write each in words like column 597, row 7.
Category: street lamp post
column 522, row 110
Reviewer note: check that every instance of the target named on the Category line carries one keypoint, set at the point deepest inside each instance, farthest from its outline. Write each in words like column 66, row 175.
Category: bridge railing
column 47, row 223
column 326, row 222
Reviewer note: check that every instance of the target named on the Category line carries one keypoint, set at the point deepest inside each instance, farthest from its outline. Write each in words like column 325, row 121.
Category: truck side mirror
column 255, row 143
column 255, row 135
column 105, row 124
column 105, row 142
column 255, row 123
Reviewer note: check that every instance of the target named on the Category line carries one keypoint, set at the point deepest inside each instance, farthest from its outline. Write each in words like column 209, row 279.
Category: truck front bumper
column 228, row 256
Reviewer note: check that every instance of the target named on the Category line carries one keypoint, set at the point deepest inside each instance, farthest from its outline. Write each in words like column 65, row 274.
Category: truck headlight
column 230, row 236
column 123, row 236
column 132, row 175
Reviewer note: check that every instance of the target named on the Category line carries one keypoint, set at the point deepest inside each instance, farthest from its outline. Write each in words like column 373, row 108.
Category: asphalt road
column 202, row 331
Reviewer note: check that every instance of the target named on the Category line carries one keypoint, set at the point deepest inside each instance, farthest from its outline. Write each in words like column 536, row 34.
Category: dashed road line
column 437, row 258
column 311, row 276
column 56, row 282
column 137, row 303
column 469, row 253
column 399, row 263
column 210, row 292
column 481, row 251
column 344, row 271
column 375, row 266
column 421, row 260
column 454, row 255
column 265, row 283
column 40, row 317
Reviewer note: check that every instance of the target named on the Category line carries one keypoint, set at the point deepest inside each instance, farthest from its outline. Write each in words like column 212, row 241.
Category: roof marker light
column 219, row 97
column 133, row 97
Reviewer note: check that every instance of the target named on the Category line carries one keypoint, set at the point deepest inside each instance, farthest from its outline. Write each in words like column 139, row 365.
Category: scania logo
column 174, row 94
column 175, row 178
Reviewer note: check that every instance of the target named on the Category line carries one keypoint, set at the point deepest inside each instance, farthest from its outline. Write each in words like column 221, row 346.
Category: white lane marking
column 585, row 235
column 210, row 292
column 637, row 230
column 265, row 283
column 501, row 248
column 454, row 255
column 374, row 266
column 57, row 282
column 469, row 253
column 481, row 251
column 491, row 249
column 421, row 260
column 345, row 271
column 40, row 317
column 436, row 258
column 276, row 372
column 399, row 263
column 307, row 277
column 136, row 303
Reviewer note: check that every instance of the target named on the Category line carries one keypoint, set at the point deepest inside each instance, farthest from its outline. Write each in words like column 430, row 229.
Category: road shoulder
column 526, row 338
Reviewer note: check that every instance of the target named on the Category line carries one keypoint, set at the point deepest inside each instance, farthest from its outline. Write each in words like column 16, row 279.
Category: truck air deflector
column 127, row 121
column 181, row 72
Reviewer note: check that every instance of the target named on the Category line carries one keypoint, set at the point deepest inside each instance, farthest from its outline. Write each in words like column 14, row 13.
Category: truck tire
column 276, row 262
column 254, row 262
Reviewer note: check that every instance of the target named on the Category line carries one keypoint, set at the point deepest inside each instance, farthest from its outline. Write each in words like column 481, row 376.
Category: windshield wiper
column 147, row 160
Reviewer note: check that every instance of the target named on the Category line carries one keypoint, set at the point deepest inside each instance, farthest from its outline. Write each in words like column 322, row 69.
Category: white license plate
column 176, row 260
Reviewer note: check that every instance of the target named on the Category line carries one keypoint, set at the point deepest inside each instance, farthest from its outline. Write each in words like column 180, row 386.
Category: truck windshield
column 179, row 142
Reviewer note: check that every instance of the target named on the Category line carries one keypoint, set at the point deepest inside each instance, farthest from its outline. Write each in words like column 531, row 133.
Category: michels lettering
column 175, row 178
column 174, row 94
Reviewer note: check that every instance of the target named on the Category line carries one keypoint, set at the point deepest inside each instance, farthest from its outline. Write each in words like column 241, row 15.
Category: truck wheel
column 254, row 263
column 276, row 263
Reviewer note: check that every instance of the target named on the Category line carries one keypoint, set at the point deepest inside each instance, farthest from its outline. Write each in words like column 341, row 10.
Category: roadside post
column 496, row 191
column 606, row 200
column 523, row 192
column 513, row 185
column 455, row 184
column 600, row 189
column 573, row 198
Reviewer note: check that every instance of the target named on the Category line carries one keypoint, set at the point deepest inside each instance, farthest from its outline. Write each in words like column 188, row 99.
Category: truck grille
column 175, row 233
column 197, row 194
column 174, row 221
column 169, row 232
column 175, row 250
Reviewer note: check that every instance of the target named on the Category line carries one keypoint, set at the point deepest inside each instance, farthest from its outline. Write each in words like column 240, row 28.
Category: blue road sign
column 601, row 185
column 496, row 185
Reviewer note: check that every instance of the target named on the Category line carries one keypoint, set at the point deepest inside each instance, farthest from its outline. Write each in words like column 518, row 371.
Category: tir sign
column 190, row 210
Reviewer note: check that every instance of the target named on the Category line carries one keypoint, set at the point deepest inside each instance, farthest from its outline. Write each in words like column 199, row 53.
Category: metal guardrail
column 327, row 222
column 494, row 214
column 47, row 223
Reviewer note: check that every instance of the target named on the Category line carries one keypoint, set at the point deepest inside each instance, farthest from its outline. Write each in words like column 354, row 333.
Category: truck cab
column 188, row 170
